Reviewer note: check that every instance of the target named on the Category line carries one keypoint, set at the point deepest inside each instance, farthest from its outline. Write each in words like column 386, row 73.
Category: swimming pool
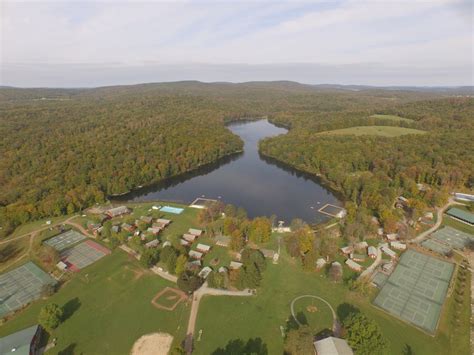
column 170, row 209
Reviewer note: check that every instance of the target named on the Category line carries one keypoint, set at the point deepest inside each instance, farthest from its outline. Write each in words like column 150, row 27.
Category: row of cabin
column 188, row 238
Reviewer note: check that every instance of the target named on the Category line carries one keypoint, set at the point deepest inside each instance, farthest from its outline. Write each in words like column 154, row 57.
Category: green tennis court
column 436, row 246
column 416, row 290
column 65, row 240
column 453, row 237
column 21, row 286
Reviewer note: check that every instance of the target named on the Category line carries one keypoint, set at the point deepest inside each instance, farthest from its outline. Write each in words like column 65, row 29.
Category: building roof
column 372, row 250
column 353, row 265
column 195, row 254
column 189, row 237
column 204, row 273
column 193, row 231
column 347, row 249
column 332, row 346
column 117, row 211
column 203, row 247
column 460, row 214
column 235, row 265
column 163, row 221
column 268, row 253
column 389, row 252
column 18, row 343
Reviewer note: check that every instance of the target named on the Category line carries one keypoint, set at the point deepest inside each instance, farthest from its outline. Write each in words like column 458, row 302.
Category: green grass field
column 384, row 131
column 223, row 319
column 110, row 308
column 392, row 118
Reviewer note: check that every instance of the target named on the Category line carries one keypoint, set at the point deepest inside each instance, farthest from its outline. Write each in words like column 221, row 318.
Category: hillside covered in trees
column 370, row 170
column 65, row 149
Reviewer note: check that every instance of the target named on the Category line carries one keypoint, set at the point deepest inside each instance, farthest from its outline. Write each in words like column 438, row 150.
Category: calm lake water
column 248, row 180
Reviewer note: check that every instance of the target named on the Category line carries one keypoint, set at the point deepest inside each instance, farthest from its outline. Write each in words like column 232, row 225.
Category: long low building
column 461, row 215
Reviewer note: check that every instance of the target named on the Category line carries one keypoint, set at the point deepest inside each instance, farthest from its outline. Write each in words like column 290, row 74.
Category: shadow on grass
column 69, row 350
column 8, row 252
column 70, row 308
column 407, row 350
column 253, row 346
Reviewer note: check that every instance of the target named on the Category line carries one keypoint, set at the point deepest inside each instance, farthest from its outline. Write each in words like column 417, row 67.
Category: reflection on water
column 260, row 185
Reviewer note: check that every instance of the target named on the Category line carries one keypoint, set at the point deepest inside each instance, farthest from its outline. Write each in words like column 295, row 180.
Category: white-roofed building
column 196, row 232
column 389, row 252
column 195, row 254
column 332, row 346
column 353, row 265
column 234, row 265
column 372, row 251
column 203, row 248
column 204, row 273
column 398, row 245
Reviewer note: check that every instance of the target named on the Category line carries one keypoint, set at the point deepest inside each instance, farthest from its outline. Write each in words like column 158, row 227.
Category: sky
column 96, row 43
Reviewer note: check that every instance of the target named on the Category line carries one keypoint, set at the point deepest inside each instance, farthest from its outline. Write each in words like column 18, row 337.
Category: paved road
column 439, row 220
column 368, row 272
column 203, row 291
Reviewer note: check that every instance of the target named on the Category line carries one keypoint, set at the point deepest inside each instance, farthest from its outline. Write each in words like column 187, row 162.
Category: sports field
column 108, row 307
column 65, row 240
column 416, row 290
column 453, row 237
column 83, row 255
column 21, row 286
column 384, row 131
column 223, row 319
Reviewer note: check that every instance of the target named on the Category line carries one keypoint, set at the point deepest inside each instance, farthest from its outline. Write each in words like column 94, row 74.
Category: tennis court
column 416, row 290
column 437, row 247
column 21, row 286
column 65, row 240
column 453, row 237
column 83, row 254
column 174, row 210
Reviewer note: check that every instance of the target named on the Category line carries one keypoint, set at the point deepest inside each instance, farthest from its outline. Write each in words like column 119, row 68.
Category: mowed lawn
column 384, row 131
column 223, row 319
column 109, row 306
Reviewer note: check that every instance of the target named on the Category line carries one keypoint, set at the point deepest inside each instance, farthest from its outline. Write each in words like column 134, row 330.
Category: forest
column 63, row 150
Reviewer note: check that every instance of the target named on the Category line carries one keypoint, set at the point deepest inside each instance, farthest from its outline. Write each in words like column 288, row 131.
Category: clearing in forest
column 385, row 131
column 393, row 118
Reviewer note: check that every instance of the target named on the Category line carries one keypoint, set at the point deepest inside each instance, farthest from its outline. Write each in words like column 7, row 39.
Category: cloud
column 399, row 34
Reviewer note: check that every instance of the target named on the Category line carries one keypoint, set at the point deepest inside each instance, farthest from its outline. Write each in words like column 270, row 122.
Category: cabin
column 193, row 265
column 117, row 211
column 332, row 346
column 320, row 263
column 353, row 265
column 203, row 248
column 195, row 254
column 196, row 232
column 347, row 250
column 154, row 230
column 389, row 252
column 235, row 265
column 268, row 253
column 204, row 273
column 127, row 227
column 146, row 219
column 358, row 257
column 388, row 267
column 398, row 245
column 184, row 242
column 222, row 269
column 152, row 244
column 392, row 236
column 163, row 222
column 189, row 237
column 372, row 251
column 223, row 241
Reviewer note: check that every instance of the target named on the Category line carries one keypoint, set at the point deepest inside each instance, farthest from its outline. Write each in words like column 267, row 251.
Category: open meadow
column 384, row 131
column 108, row 307
column 223, row 319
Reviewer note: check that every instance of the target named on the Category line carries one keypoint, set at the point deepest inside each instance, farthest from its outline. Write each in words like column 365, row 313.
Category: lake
column 248, row 180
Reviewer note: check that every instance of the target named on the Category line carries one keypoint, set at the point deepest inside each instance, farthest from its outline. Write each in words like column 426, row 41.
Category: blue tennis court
column 174, row 210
